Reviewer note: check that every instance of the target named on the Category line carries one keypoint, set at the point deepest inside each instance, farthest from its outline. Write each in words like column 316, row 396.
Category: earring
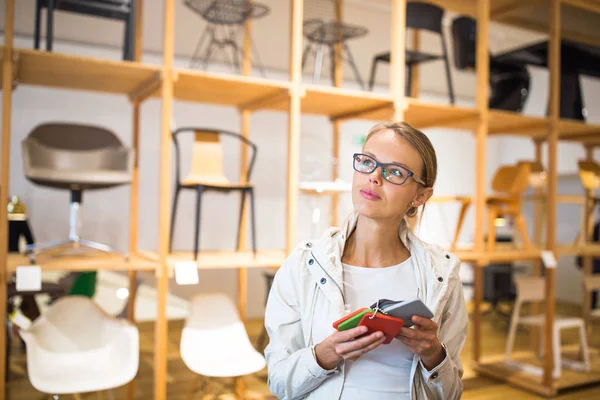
column 412, row 203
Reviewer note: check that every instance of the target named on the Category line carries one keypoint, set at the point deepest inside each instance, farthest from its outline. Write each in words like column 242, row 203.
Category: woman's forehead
column 387, row 146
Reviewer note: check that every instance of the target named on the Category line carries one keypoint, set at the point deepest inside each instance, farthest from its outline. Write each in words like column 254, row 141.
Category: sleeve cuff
column 437, row 371
column 314, row 368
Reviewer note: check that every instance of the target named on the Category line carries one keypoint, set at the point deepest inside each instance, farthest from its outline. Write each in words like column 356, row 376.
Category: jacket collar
column 328, row 250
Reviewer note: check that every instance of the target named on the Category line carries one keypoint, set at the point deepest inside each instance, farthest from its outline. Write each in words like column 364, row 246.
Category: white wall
column 105, row 214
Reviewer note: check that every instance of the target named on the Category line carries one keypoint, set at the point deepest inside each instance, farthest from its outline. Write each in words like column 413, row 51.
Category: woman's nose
column 375, row 177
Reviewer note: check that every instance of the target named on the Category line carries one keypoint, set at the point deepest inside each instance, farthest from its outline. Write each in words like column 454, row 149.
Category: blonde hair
column 421, row 143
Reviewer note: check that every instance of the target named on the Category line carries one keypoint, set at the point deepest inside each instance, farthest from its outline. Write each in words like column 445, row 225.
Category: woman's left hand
column 423, row 340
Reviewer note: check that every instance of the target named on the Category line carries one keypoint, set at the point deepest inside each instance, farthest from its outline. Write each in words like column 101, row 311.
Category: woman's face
column 376, row 198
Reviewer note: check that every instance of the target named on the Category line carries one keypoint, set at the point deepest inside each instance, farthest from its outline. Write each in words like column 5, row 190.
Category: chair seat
column 412, row 57
column 62, row 178
column 497, row 200
column 559, row 321
column 113, row 9
column 219, row 182
column 335, row 32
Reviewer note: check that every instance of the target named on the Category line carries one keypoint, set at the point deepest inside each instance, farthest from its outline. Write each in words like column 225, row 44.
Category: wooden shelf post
column 7, row 76
column 552, row 176
column 297, row 14
column 481, row 134
column 398, row 57
column 162, row 285
column 338, row 78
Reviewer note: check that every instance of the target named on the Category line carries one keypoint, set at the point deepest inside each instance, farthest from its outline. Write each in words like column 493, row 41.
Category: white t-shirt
column 382, row 373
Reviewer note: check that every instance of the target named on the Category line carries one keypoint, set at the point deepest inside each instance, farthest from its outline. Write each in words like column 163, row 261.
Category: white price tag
column 186, row 273
column 549, row 259
column 29, row 278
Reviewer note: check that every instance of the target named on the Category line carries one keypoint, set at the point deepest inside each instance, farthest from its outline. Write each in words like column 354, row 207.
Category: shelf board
column 247, row 92
column 82, row 262
column 223, row 259
column 423, row 115
column 341, row 103
column 579, row 131
column 499, row 255
column 65, row 71
column 496, row 368
column 512, row 123
column 569, row 249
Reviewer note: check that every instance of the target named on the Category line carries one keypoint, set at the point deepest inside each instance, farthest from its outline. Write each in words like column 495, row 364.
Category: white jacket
column 307, row 297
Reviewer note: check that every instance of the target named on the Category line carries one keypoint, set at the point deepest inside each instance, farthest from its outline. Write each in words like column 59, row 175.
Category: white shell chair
column 75, row 347
column 214, row 341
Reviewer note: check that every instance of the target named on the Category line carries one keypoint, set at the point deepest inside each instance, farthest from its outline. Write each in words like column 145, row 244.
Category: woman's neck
column 375, row 244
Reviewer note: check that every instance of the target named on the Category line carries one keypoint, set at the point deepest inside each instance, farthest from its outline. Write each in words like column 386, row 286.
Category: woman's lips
column 369, row 194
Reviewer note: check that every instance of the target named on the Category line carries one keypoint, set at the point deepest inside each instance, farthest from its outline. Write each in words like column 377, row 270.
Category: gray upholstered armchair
column 75, row 157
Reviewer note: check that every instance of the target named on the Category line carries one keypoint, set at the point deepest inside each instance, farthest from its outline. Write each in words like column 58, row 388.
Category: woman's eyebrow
column 392, row 162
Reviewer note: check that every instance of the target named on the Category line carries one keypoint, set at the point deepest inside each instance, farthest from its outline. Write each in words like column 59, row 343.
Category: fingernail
column 379, row 334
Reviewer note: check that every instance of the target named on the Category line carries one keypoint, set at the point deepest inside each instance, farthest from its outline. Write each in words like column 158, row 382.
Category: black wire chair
column 226, row 19
column 325, row 30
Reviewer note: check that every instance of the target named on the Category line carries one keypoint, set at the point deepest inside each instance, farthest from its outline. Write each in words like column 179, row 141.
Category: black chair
column 322, row 28
column 123, row 10
column 206, row 174
column 426, row 17
column 225, row 20
column 509, row 82
column 269, row 278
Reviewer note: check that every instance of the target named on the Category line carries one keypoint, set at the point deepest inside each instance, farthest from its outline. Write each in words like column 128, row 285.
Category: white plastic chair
column 214, row 342
column 75, row 347
column 532, row 289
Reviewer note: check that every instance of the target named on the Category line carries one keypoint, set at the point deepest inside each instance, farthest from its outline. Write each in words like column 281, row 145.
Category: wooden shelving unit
column 139, row 82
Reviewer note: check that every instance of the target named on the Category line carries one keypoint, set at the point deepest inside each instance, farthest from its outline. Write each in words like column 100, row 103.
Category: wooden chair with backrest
column 532, row 290
column 589, row 174
column 206, row 174
column 592, row 311
column 509, row 183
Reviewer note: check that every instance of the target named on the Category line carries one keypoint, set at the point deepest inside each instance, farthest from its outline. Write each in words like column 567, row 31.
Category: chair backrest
column 537, row 174
column 589, row 173
column 424, row 16
column 73, row 146
column 71, row 324
column 512, row 180
column 207, row 153
column 464, row 40
column 530, row 289
column 211, row 311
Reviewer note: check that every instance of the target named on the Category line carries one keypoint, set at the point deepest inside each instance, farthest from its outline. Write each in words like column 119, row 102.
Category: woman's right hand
column 344, row 345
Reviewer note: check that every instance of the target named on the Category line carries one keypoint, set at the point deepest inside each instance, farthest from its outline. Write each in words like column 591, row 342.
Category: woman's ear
column 423, row 196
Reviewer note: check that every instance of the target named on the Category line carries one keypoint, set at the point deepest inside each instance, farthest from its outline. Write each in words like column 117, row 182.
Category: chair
column 206, row 174
column 269, row 278
column 510, row 182
column 509, row 83
column 322, row 28
column 225, row 19
column 592, row 311
column 123, row 10
column 214, row 342
column 589, row 174
column 74, row 347
column 427, row 17
column 532, row 289
column 77, row 158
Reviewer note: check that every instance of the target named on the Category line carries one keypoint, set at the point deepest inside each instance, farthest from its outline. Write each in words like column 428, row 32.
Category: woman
column 373, row 256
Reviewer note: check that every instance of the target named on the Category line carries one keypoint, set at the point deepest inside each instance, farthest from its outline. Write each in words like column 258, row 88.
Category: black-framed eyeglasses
column 391, row 172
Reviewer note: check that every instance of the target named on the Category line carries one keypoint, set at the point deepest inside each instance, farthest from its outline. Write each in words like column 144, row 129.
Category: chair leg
column 354, row 67
column 318, row 64
column 447, row 67
column 461, row 220
column 584, row 347
column 252, row 220
column 557, row 356
column 491, row 239
column 38, row 22
column 512, row 331
column 522, row 227
column 240, row 387
column 373, row 71
column 199, row 191
column 194, row 387
column 173, row 216
column 49, row 25
column 243, row 202
column 305, row 55
column 198, row 46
